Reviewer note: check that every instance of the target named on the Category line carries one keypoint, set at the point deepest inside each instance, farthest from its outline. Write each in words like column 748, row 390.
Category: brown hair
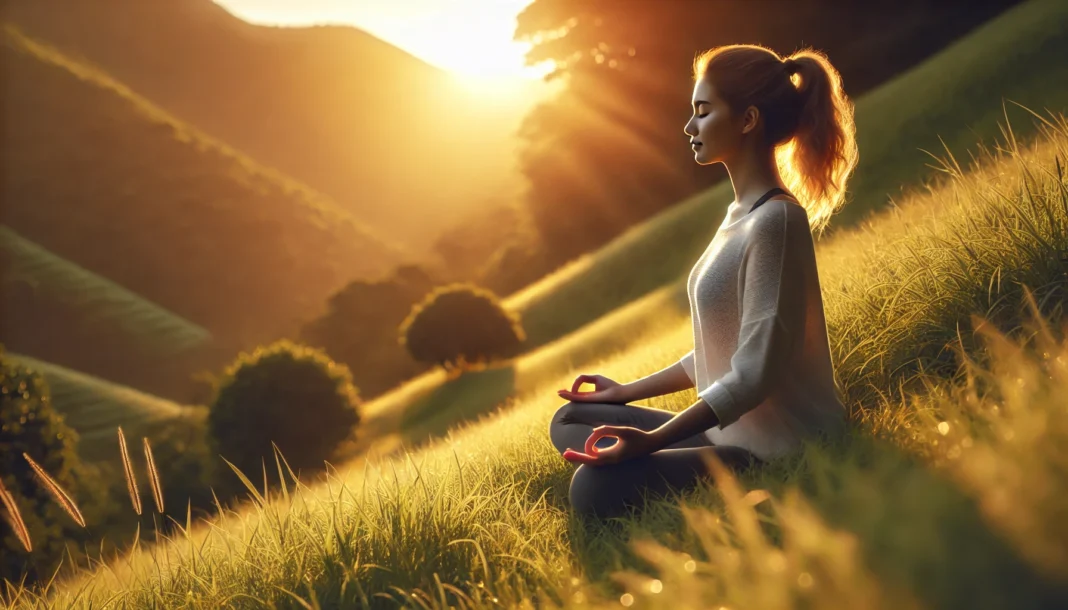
column 807, row 117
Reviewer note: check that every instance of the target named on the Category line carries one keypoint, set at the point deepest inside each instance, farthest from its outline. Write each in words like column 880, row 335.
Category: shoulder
column 779, row 215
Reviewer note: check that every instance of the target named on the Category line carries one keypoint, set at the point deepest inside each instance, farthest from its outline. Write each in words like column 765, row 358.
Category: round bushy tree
column 29, row 424
column 288, row 393
column 459, row 324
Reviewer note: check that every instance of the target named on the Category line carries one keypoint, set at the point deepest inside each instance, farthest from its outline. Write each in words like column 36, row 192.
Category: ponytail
column 808, row 117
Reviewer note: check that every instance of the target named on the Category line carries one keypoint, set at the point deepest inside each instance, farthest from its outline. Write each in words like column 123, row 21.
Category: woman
column 761, row 360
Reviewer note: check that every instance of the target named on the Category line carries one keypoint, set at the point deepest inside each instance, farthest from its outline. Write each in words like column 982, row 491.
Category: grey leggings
column 608, row 490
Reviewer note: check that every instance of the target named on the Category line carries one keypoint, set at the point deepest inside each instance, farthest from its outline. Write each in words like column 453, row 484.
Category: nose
column 688, row 128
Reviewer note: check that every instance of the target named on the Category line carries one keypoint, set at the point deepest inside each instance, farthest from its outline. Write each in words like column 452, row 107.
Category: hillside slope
column 95, row 408
column 398, row 142
column 100, row 176
column 58, row 311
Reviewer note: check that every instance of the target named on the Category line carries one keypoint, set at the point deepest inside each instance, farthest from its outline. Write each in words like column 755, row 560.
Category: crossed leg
column 608, row 490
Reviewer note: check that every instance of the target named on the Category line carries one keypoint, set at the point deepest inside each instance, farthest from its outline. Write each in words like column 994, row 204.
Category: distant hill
column 96, row 408
column 396, row 141
column 103, row 178
column 58, row 311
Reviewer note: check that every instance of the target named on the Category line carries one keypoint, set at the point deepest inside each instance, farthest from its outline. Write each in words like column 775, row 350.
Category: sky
column 470, row 38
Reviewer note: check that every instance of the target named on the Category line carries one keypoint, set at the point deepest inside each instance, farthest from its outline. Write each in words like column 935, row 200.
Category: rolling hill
column 95, row 408
column 398, row 142
column 63, row 313
column 102, row 177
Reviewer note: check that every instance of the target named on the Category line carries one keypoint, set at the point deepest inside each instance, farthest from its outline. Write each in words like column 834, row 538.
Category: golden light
column 470, row 38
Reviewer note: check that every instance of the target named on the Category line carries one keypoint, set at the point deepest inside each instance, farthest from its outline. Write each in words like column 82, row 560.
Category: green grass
column 954, row 96
column 95, row 408
column 949, row 490
column 98, row 299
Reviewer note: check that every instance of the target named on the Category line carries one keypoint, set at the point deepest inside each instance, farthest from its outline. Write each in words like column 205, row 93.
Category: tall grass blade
column 127, row 466
column 244, row 480
column 14, row 517
column 153, row 477
column 57, row 492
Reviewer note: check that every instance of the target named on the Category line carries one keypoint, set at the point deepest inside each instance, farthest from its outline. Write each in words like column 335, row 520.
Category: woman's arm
column 697, row 418
column 673, row 378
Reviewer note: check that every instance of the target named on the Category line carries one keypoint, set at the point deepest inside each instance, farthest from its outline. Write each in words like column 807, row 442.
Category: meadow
column 944, row 313
column 945, row 493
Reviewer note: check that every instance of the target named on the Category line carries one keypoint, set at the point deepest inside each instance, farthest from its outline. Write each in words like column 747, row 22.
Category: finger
column 579, row 381
column 577, row 457
column 598, row 433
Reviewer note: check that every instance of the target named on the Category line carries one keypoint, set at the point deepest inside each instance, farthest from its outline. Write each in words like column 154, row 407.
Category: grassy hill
column 332, row 106
column 95, row 408
column 64, row 313
column 105, row 179
column 947, row 492
column 954, row 97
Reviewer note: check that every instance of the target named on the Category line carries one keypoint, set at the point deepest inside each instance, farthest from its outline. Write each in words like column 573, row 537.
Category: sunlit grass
column 934, row 499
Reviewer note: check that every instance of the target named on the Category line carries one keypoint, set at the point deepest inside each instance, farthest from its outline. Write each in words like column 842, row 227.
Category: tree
column 359, row 328
column 461, row 324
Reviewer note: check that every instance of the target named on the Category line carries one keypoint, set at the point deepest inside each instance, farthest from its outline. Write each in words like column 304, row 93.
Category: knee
column 567, row 411
column 592, row 493
column 562, row 416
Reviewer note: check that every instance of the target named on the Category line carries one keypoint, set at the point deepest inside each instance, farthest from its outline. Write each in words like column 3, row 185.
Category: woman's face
column 715, row 134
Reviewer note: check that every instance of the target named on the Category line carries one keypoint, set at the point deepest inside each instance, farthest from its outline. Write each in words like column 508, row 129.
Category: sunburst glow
column 471, row 38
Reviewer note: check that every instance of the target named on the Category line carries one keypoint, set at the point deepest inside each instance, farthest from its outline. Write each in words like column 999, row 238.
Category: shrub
column 458, row 324
column 359, row 328
column 29, row 424
column 183, row 457
column 288, row 393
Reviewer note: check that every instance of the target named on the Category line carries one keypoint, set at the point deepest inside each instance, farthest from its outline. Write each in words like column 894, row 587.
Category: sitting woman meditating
column 761, row 361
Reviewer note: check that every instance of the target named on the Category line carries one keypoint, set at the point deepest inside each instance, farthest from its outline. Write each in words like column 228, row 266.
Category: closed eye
column 701, row 116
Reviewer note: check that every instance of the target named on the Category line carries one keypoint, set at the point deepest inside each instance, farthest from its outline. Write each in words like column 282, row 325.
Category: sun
column 470, row 39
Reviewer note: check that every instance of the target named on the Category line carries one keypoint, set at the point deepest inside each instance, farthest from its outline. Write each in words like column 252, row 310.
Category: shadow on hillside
column 465, row 399
column 915, row 530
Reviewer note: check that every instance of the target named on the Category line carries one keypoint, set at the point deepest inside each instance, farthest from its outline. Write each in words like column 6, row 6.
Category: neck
column 752, row 174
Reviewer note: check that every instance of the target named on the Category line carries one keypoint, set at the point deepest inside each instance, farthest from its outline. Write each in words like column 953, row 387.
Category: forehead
column 703, row 90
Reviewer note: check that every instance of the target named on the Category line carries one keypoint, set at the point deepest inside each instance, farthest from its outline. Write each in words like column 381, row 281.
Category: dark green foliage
column 359, row 328
column 288, row 393
column 29, row 424
column 187, row 467
column 458, row 324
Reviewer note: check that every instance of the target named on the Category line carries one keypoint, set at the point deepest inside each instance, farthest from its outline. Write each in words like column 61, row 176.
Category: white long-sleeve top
column 761, row 359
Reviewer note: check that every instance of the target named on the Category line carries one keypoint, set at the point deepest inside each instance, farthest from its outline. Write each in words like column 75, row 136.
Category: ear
column 750, row 118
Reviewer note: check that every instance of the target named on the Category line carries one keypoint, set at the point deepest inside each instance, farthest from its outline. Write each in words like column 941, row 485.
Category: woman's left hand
column 632, row 442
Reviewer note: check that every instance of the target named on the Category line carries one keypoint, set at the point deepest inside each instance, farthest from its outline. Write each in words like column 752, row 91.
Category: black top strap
column 768, row 195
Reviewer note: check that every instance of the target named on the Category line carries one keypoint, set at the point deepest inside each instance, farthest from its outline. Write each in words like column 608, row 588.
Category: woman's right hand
column 605, row 390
